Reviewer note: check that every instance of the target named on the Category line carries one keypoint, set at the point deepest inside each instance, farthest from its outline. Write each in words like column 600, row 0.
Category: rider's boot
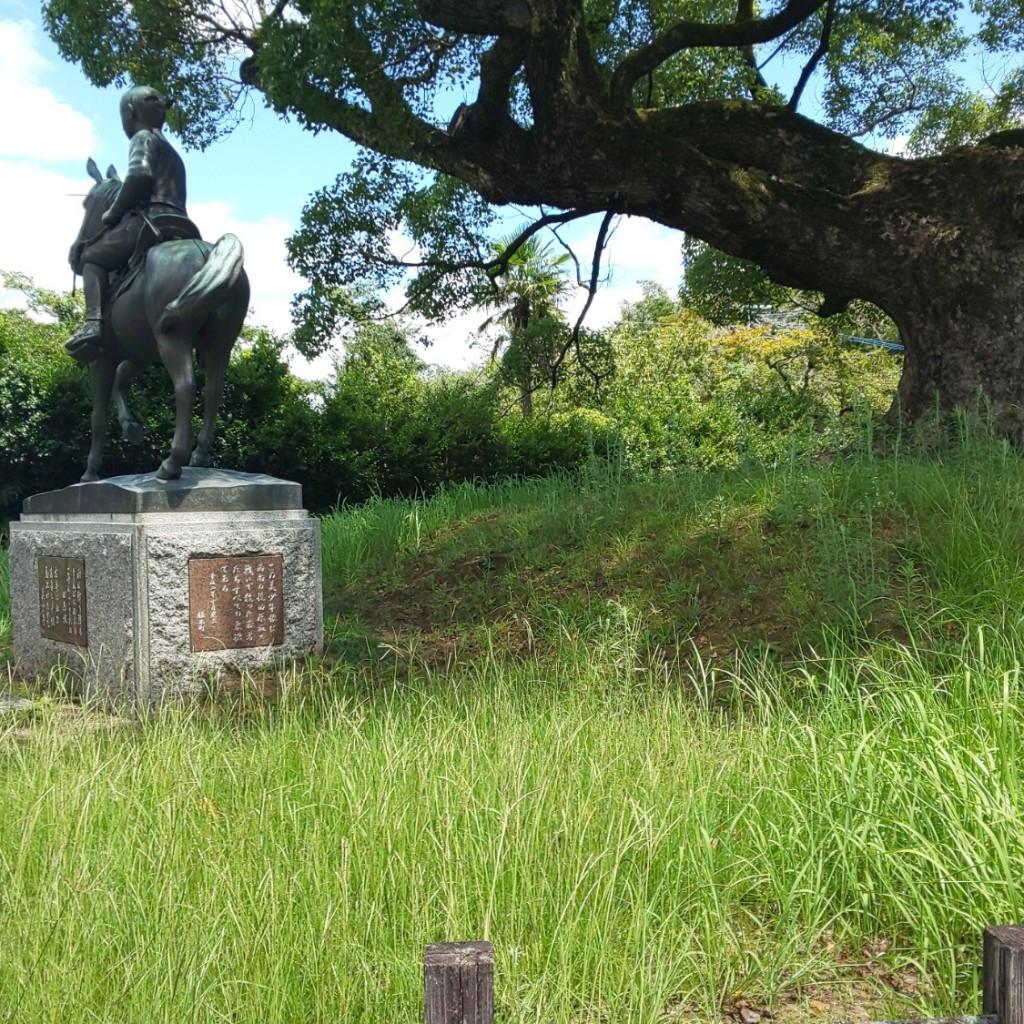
column 86, row 344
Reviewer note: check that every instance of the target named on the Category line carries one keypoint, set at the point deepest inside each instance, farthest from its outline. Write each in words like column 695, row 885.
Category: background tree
column 44, row 403
column 688, row 116
column 531, row 328
column 726, row 290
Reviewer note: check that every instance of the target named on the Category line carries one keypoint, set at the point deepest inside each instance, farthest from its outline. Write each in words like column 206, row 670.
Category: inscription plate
column 235, row 602
column 62, row 611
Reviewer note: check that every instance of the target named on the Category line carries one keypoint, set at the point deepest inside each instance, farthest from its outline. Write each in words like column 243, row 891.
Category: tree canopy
column 693, row 113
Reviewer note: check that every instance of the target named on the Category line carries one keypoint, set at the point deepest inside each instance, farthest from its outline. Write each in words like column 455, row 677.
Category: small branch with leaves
column 686, row 35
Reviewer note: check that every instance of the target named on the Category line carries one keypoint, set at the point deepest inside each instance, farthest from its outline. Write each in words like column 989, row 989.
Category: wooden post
column 1002, row 973
column 458, row 983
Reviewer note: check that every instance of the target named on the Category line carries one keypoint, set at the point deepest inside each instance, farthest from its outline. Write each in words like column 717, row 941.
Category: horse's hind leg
column 133, row 430
column 216, row 366
column 102, row 382
column 176, row 355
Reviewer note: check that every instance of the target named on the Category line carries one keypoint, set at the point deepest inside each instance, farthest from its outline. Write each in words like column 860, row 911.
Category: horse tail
column 206, row 288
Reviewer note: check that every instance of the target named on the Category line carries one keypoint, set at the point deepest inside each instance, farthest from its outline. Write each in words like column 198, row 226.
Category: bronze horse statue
column 187, row 295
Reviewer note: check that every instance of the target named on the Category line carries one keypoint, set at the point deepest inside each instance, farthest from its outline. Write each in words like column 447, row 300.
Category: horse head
column 97, row 201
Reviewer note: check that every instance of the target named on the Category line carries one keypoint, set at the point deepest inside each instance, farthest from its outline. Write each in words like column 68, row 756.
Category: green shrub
column 459, row 430
column 44, row 410
column 268, row 422
column 688, row 394
column 561, row 441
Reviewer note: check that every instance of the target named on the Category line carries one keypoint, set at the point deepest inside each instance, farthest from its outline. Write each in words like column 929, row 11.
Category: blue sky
column 254, row 183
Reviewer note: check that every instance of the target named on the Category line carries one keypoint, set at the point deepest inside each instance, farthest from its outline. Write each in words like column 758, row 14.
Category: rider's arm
column 138, row 182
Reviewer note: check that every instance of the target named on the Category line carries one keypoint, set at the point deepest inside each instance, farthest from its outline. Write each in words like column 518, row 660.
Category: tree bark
column 963, row 350
column 484, row 17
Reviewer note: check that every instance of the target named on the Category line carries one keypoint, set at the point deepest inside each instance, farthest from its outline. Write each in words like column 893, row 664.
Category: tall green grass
column 365, row 539
column 632, row 844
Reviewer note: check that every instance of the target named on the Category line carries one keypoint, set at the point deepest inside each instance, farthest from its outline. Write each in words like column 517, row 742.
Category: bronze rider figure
column 153, row 190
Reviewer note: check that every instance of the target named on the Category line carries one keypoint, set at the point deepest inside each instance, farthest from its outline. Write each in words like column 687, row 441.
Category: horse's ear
column 112, row 173
column 94, row 171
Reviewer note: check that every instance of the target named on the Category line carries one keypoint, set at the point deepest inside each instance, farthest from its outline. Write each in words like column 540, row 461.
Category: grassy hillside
column 678, row 747
column 783, row 563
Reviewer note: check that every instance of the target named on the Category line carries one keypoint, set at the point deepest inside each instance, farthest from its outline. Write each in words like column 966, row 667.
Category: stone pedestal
column 145, row 589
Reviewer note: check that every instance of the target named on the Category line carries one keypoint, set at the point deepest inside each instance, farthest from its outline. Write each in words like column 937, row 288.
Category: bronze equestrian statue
column 153, row 289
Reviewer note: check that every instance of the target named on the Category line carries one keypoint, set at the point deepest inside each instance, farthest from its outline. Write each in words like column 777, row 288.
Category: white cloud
column 41, row 225
column 33, row 122
column 607, row 304
column 456, row 343
column 899, row 146
column 641, row 250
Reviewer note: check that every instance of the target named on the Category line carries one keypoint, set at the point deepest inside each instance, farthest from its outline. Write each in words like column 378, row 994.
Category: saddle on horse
column 159, row 228
column 150, row 228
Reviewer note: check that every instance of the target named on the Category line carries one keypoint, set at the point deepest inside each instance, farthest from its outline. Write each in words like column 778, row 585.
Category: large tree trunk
column 937, row 243
column 966, row 352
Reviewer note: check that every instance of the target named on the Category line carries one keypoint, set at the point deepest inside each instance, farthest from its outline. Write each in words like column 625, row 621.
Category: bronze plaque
column 235, row 602
column 62, row 613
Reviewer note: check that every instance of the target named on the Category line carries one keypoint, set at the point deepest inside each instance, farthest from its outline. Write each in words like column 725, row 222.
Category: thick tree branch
column 498, row 66
column 561, row 74
column 322, row 108
column 686, row 35
column 476, row 17
column 316, row 98
column 819, row 53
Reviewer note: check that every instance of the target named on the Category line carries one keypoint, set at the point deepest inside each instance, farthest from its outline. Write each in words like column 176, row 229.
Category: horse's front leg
column 133, row 430
column 102, row 381
column 176, row 355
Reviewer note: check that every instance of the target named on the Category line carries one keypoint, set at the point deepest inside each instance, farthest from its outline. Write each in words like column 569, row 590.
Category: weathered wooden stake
column 458, row 983
column 1002, row 973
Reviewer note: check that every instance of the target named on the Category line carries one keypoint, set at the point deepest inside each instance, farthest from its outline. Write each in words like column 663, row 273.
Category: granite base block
column 148, row 602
